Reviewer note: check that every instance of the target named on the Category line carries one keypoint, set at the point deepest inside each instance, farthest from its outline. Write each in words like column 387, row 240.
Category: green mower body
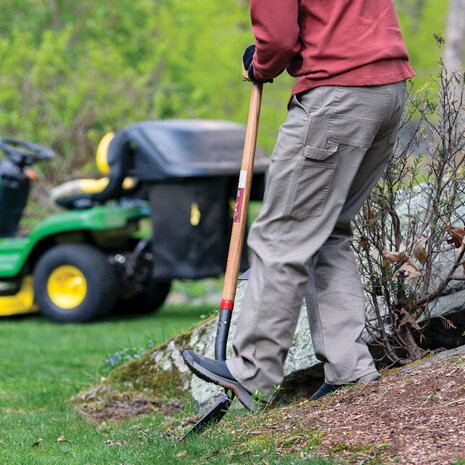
column 104, row 237
column 103, row 226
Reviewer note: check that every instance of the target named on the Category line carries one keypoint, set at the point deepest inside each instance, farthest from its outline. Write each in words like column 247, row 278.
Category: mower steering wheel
column 25, row 153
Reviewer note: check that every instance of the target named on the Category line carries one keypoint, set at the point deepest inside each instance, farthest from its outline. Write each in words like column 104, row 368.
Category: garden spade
column 234, row 256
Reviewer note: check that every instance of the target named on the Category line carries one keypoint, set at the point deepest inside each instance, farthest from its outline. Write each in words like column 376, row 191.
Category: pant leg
column 334, row 299
column 336, row 312
column 317, row 157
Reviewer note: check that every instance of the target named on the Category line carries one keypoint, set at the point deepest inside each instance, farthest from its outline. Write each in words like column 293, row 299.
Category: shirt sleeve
column 275, row 26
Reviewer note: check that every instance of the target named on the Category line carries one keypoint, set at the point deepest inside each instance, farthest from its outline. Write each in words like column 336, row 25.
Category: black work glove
column 247, row 65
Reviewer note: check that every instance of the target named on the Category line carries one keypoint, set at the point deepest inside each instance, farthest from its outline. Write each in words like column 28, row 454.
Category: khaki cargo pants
column 330, row 152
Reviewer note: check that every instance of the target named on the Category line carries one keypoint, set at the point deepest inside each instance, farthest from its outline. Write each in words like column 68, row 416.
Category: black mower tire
column 146, row 302
column 93, row 268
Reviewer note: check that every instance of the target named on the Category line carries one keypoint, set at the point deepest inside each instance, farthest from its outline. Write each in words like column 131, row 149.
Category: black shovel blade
column 212, row 417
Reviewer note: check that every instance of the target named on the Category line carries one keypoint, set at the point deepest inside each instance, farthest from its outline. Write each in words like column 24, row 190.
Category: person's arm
column 275, row 26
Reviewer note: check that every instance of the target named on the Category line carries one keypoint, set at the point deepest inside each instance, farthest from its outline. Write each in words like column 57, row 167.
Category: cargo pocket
column 317, row 153
column 312, row 183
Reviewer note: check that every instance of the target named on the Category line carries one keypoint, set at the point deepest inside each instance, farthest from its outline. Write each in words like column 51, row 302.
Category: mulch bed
column 415, row 416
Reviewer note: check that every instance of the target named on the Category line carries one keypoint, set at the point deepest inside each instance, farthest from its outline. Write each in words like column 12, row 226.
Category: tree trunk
column 414, row 352
column 455, row 35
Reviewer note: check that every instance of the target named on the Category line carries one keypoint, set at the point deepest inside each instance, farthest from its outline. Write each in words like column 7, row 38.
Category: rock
column 93, row 393
column 450, row 305
column 302, row 371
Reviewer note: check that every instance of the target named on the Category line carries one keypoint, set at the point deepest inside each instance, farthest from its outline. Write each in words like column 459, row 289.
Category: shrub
column 410, row 233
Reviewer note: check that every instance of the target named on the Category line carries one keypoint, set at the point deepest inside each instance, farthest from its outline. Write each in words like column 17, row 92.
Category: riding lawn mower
column 179, row 177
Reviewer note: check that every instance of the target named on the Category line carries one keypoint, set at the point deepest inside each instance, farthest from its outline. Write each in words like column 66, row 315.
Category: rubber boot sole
column 241, row 393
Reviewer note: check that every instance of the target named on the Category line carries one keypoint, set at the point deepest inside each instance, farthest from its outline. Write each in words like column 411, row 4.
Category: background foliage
column 73, row 70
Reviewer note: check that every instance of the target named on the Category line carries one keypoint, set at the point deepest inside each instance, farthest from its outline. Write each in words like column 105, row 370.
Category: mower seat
column 114, row 159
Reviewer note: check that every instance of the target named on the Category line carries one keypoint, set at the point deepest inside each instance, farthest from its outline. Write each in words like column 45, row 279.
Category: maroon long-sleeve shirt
column 329, row 42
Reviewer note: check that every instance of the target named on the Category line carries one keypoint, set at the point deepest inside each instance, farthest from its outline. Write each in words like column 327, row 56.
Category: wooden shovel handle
column 242, row 200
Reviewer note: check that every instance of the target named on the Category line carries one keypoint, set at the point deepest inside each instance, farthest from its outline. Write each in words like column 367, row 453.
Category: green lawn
column 44, row 365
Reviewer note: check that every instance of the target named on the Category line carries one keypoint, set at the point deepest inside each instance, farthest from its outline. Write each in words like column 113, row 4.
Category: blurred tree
column 73, row 70
column 419, row 19
column 455, row 35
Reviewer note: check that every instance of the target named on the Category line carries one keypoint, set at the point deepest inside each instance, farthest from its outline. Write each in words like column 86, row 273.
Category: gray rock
column 301, row 357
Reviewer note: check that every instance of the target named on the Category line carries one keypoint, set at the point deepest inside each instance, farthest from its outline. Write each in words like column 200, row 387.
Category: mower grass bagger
column 103, row 254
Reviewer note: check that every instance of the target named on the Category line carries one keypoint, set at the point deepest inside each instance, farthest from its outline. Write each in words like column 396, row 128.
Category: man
column 344, row 114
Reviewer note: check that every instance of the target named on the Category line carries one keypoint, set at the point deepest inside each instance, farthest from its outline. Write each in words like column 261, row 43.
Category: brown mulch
column 415, row 416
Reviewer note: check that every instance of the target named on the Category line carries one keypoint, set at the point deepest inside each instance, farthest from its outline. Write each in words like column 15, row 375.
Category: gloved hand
column 247, row 65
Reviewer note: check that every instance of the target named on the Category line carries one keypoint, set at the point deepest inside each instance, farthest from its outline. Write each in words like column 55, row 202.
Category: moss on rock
column 159, row 375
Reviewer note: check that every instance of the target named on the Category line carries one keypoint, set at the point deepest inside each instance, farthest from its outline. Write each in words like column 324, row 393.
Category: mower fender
column 15, row 252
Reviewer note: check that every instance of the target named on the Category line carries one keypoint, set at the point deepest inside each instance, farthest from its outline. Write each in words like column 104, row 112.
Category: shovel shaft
column 234, row 257
column 239, row 224
column 242, row 200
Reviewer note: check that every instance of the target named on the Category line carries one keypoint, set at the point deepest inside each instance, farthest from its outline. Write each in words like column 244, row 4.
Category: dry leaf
column 365, row 243
column 457, row 237
column 265, row 462
column 407, row 318
column 408, row 271
column 393, row 257
column 419, row 250
column 182, row 453
column 371, row 215
column 37, row 443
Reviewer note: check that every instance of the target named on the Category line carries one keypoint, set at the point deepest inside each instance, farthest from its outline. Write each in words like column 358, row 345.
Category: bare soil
column 117, row 410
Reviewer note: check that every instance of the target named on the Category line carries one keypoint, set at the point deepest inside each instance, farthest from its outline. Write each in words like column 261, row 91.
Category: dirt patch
column 415, row 416
column 117, row 410
column 103, row 403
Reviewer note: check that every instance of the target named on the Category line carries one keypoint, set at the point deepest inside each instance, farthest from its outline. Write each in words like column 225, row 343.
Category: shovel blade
column 212, row 417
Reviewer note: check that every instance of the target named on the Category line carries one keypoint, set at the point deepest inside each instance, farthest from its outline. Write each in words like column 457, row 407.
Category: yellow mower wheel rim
column 67, row 286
